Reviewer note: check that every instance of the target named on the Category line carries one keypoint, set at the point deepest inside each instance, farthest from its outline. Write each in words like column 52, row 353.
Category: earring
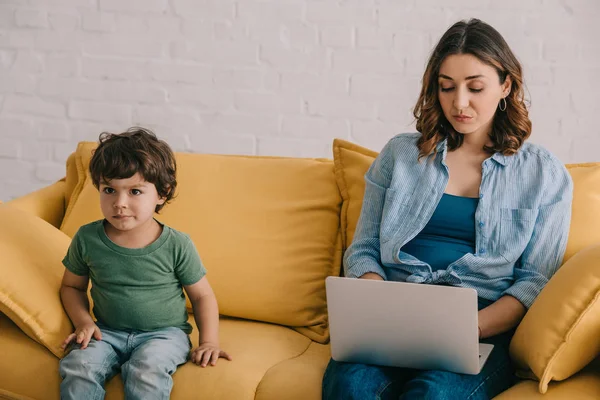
column 500, row 104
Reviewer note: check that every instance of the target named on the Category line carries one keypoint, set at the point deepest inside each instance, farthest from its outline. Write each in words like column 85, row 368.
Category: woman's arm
column 500, row 316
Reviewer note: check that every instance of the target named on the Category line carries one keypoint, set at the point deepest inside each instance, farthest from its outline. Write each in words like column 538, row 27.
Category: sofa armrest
column 300, row 378
column 47, row 203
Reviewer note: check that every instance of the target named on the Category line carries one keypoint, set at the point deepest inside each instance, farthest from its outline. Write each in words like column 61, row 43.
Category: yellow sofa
column 269, row 230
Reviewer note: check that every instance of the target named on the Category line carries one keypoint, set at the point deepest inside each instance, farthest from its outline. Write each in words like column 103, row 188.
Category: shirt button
column 481, row 195
column 481, row 223
column 481, row 251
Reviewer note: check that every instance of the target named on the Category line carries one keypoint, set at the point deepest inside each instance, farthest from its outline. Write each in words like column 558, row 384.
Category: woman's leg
column 496, row 376
column 351, row 381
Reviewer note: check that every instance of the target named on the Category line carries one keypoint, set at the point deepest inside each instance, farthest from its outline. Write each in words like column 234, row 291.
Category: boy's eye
column 136, row 192
column 108, row 190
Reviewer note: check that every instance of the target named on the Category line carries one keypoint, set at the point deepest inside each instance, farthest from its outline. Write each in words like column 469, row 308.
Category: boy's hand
column 208, row 353
column 83, row 334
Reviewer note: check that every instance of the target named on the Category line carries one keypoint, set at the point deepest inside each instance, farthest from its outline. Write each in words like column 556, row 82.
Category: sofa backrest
column 266, row 228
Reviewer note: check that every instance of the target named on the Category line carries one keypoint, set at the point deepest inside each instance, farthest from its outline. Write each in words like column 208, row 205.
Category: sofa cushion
column 267, row 229
column 560, row 333
column 256, row 348
column 31, row 272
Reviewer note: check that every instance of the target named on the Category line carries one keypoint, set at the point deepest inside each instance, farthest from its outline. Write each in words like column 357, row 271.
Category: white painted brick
column 7, row 58
column 17, row 127
column 217, row 54
column 233, row 124
column 140, row 6
column 284, row 147
column 135, row 92
column 49, row 171
column 117, row 45
column 62, row 65
column 18, row 39
column 99, row 21
column 375, row 134
column 268, row 103
column 67, row 4
column 307, row 82
column 10, row 148
column 89, row 131
column 377, row 85
column 55, row 131
column 206, row 99
column 314, row 127
column 223, row 144
column 29, row 62
column 560, row 53
column 167, row 116
column 328, row 13
column 131, row 24
column 238, row 79
column 228, row 30
column 62, row 151
column 261, row 12
column 181, row 73
column 337, row 36
column 163, row 26
column 215, row 9
column 278, row 57
column 100, row 112
column 198, row 28
column 72, row 88
column 396, row 109
column 65, row 21
column 19, row 104
column 366, row 61
column 37, row 151
column 17, row 83
column 339, row 107
column 58, row 41
column 106, row 68
column 15, row 171
column 7, row 16
column 423, row 19
column 288, row 35
column 374, row 37
column 31, row 18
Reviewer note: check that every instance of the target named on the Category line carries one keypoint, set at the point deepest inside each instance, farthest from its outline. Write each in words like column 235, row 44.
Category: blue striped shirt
column 522, row 220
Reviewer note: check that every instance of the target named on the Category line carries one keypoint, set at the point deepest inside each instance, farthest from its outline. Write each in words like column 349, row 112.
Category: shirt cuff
column 359, row 269
column 524, row 291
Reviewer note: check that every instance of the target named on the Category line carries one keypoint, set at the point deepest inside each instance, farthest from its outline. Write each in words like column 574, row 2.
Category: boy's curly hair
column 138, row 150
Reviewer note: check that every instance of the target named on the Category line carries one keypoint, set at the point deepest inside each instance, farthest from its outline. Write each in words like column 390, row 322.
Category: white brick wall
column 267, row 77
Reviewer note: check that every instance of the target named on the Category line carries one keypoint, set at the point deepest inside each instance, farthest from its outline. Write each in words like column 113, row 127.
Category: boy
column 138, row 268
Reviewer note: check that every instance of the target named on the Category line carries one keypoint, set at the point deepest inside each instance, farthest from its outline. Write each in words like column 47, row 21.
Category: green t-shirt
column 136, row 289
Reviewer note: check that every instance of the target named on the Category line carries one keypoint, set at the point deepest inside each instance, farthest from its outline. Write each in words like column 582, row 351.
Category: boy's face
column 128, row 204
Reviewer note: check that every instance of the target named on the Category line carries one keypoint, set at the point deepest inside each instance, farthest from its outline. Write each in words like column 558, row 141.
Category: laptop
column 402, row 324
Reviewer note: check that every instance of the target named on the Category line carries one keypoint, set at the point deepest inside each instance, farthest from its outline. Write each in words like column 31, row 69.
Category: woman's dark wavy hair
column 120, row 156
column 510, row 128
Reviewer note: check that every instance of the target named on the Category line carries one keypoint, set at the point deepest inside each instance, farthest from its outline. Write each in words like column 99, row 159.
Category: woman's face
column 469, row 93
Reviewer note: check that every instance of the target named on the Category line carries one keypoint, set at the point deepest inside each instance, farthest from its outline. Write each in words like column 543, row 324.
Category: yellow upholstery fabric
column 31, row 271
column 47, row 203
column 561, row 332
column 257, row 350
column 585, row 218
column 266, row 228
column 583, row 386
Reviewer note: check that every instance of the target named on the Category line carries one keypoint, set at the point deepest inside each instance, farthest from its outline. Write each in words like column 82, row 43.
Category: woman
column 464, row 202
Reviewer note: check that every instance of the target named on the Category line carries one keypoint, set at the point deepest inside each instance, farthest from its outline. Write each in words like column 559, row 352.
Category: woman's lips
column 462, row 118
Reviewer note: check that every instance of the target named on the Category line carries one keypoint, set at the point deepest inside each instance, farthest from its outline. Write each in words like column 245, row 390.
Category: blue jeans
column 146, row 361
column 349, row 381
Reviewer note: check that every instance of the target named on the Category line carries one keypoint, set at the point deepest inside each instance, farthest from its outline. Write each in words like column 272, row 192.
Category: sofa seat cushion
column 266, row 228
column 585, row 385
column 265, row 357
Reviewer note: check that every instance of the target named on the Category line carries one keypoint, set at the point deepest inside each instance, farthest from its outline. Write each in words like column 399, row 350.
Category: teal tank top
column 449, row 234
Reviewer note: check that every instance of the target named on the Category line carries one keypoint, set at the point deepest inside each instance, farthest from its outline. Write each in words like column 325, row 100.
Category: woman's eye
column 448, row 89
column 475, row 90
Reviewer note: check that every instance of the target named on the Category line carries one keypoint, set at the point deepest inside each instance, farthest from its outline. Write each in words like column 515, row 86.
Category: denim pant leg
column 154, row 358
column 351, row 381
column 496, row 376
column 84, row 372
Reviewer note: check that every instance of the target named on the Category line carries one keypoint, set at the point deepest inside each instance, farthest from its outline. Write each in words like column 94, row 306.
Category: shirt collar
column 501, row 159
